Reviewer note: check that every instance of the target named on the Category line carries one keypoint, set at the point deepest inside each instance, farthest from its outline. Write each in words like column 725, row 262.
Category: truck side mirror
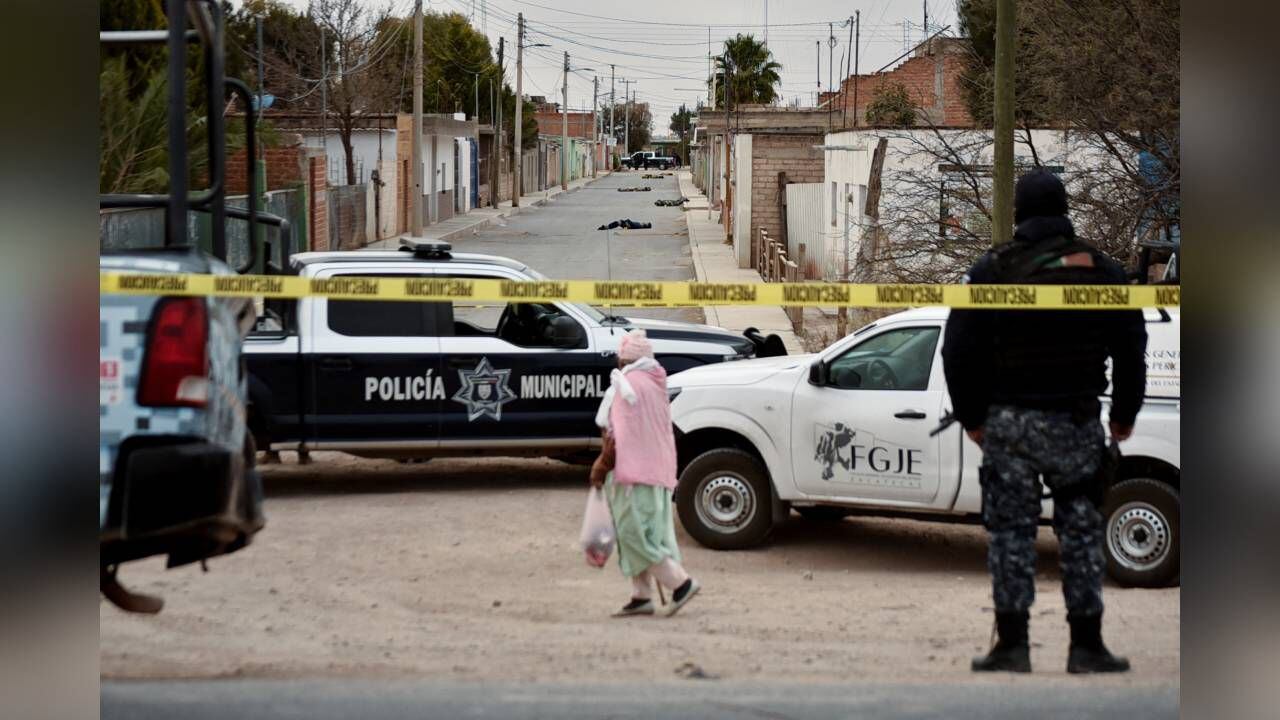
column 818, row 373
column 566, row 333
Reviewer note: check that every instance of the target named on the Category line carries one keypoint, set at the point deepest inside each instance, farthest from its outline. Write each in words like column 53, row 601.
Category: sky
column 662, row 46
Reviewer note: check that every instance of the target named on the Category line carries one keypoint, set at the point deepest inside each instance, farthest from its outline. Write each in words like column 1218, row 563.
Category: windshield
column 592, row 312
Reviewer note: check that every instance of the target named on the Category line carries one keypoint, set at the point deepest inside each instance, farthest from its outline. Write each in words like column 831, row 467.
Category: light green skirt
column 645, row 526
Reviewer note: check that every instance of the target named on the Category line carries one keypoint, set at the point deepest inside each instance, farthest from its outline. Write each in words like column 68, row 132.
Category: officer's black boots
column 1088, row 654
column 1011, row 652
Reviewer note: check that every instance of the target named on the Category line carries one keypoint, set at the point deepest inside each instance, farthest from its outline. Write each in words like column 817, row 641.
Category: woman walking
column 637, row 469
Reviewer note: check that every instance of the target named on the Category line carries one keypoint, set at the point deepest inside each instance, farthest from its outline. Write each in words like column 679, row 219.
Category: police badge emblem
column 484, row 390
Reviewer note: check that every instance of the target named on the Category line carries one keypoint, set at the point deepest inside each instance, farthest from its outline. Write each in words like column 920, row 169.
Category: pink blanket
column 639, row 417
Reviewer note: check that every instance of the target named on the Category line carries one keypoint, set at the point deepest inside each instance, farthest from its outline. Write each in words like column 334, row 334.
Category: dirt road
column 466, row 570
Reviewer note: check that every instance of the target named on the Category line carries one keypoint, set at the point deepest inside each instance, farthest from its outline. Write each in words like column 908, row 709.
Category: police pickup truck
column 849, row 431
column 413, row 380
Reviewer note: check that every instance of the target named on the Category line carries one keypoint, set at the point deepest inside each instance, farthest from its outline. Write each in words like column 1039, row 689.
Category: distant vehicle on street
column 851, row 430
column 645, row 159
column 412, row 380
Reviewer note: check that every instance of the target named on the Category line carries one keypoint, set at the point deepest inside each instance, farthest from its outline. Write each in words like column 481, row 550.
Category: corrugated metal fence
column 347, row 217
column 137, row 228
column 804, row 227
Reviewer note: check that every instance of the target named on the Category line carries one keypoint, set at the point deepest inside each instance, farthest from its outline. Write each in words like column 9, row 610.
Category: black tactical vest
column 1045, row 354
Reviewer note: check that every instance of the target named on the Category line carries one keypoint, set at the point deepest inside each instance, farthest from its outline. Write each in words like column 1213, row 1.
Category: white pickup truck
column 847, row 431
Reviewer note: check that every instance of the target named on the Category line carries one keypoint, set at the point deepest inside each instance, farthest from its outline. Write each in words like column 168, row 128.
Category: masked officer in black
column 1025, row 386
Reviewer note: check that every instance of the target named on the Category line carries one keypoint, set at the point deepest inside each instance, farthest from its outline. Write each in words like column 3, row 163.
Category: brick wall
column 932, row 80
column 770, row 155
column 284, row 170
column 318, row 197
column 552, row 123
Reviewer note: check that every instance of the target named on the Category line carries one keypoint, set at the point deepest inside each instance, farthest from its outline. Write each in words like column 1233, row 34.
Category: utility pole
column 564, row 126
column 516, row 171
column 857, row 42
column 831, row 60
column 494, row 174
column 844, row 94
column 613, row 100
column 726, row 214
column 258, row 21
column 415, row 204
column 626, row 120
column 817, row 47
column 324, row 101
column 496, row 160
column 476, row 114
column 260, row 162
column 1002, row 220
column 711, row 106
column 498, row 139
column 595, row 130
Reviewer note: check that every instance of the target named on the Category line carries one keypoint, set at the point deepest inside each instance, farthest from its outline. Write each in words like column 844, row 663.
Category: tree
column 753, row 74
column 1109, row 72
column 291, row 53
column 682, row 125
column 641, row 120
column 455, row 58
column 352, row 35
column 133, row 108
column 891, row 106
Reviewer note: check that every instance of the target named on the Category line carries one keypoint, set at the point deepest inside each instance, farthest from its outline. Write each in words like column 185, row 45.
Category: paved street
column 560, row 238
column 372, row 700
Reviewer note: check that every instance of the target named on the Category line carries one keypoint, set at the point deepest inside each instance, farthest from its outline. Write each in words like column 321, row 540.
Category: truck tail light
column 175, row 369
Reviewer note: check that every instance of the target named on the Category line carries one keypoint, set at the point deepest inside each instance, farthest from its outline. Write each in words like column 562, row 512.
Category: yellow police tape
column 648, row 294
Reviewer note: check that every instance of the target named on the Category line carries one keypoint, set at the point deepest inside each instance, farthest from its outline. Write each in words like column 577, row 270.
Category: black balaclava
column 1039, row 193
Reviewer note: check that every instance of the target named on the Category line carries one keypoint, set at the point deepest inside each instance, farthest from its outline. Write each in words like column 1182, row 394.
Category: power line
column 667, row 24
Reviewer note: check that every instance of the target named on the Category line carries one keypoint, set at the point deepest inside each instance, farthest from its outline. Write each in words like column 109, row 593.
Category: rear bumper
column 188, row 500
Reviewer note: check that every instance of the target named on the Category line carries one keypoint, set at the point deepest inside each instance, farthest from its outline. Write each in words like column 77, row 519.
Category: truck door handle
column 332, row 363
column 462, row 362
column 910, row 415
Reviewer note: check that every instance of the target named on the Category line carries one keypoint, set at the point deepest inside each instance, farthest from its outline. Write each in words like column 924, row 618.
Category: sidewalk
column 713, row 261
column 480, row 218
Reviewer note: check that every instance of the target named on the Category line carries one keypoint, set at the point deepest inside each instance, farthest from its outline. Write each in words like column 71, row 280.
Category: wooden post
column 1002, row 201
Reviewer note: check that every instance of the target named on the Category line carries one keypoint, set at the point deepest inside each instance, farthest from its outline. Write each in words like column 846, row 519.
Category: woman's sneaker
column 637, row 606
column 682, row 595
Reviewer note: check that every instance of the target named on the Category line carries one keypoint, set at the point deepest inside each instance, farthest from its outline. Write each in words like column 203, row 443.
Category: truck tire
column 724, row 499
column 824, row 513
column 1143, row 529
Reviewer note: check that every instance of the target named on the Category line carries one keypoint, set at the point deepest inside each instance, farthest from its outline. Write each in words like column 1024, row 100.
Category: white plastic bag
column 598, row 537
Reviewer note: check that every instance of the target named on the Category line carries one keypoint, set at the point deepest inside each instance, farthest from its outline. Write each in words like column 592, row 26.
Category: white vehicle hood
column 648, row 324
column 738, row 372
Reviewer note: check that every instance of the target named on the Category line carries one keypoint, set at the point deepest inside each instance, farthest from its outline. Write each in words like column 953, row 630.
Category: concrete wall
column 906, row 159
column 744, row 237
column 437, row 166
column 364, row 146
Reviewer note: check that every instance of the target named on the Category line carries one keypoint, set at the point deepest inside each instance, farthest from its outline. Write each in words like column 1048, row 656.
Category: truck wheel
column 1143, row 530
column 724, row 499
column 824, row 513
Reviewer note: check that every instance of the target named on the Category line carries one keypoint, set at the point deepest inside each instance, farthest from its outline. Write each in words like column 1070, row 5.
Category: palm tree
column 753, row 73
